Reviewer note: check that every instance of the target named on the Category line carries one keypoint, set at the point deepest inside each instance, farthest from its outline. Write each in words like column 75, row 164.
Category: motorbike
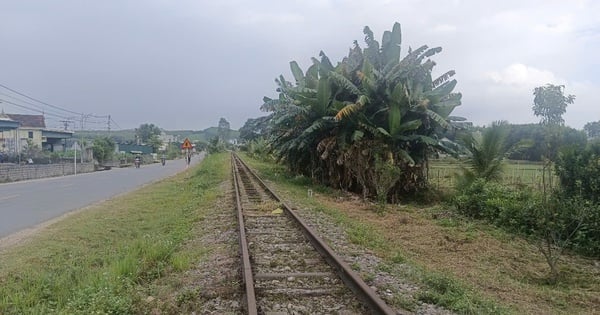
column 162, row 161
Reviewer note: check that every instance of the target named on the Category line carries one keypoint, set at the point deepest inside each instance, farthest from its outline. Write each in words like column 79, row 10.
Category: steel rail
column 342, row 269
column 250, row 301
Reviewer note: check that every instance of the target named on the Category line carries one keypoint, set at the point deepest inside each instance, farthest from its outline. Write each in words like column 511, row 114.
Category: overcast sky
column 185, row 64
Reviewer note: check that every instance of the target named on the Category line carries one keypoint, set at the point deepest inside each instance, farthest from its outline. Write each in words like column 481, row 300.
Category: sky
column 183, row 65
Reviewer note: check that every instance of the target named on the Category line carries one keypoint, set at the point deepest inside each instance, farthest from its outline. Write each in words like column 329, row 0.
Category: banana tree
column 373, row 106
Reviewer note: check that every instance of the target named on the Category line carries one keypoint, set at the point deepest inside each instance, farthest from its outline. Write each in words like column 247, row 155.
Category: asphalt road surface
column 26, row 204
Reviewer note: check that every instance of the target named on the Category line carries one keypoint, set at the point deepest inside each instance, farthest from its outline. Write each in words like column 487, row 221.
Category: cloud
column 562, row 24
column 520, row 75
column 444, row 28
column 179, row 61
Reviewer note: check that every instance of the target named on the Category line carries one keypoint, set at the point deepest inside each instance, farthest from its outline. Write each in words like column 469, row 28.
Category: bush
column 103, row 149
column 584, row 213
column 512, row 209
column 579, row 171
column 522, row 211
column 259, row 148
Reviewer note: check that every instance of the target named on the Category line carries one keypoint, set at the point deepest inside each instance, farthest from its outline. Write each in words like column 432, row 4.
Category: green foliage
column 32, row 150
column 104, row 149
column 223, row 129
column 255, row 128
column 592, row 129
column 155, row 143
column 216, row 145
column 384, row 177
column 173, row 150
column 487, row 154
column 578, row 170
column 259, row 148
column 550, row 103
column 444, row 291
column 324, row 125
column 570, row 220
column 103, row 297
column 535, row 135
column 502, row 205
column 146, row 132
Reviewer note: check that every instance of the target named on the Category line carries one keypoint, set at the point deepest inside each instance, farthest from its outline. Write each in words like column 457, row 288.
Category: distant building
column 129, row 148
column 166, row 140
column 17, row 129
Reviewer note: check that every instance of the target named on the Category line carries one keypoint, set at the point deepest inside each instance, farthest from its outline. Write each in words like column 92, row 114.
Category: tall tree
column 592, row 129
column 146, row 131
column 224, row 129
column 551, row 103
column 255, row 128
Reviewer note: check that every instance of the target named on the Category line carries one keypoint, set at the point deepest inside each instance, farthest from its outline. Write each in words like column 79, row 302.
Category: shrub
column 512, row 209
column 579, row 171
column 522, row 211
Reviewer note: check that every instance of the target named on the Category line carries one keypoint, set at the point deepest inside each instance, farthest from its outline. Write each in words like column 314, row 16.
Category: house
column 18, row 130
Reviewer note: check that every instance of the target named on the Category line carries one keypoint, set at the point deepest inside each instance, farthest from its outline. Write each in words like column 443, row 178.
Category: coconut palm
column 487, row 153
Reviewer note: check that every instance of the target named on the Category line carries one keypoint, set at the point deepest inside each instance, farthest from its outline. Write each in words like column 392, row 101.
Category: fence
column 14, row 172
column 442, row 174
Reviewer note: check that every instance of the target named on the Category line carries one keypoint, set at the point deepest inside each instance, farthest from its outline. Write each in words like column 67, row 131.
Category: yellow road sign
column 186, row 144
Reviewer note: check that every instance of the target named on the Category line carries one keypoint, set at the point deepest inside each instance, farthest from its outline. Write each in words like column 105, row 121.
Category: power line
column 40, row 110
column 31, row 98
column 33, row 109
column 114, row 122
column 44, row 111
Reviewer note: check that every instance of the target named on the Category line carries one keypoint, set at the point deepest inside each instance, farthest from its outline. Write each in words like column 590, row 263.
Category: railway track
column 286, row 268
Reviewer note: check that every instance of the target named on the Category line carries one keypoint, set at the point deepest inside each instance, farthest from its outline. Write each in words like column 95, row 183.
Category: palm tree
column 488, row 151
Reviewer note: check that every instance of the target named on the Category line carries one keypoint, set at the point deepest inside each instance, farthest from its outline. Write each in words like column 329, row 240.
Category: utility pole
column 83, row 118
column 66, row 123
column 75, row 159
column 108, row 124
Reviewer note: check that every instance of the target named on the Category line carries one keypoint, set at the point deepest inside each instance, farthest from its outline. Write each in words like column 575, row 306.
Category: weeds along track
column 286, row 268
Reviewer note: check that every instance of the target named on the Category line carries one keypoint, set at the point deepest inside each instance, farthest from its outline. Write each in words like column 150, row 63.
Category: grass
column 99, row 260
column 442, row 173
column 113, row 257
column 465, row 266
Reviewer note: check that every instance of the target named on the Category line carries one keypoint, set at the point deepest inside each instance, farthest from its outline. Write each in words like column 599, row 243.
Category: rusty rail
column 343, row 270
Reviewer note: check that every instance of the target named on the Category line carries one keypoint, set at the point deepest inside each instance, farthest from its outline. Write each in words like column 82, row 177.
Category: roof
column 4, row 117
column 6, row 123
column 29, row 121
column 57, row 134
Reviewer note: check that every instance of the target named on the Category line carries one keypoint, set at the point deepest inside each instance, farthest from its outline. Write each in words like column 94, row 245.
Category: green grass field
column 98, row 261
column 442, row 173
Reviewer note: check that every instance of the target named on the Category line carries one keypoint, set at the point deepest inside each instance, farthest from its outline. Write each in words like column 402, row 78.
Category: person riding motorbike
column 137, row 161
column 163, row 159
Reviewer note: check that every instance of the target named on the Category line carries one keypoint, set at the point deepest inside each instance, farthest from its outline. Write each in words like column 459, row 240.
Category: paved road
column 28, row 203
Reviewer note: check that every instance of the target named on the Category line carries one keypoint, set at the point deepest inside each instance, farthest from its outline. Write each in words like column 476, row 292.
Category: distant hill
column 202, row 135
column 120, row 136
column 128, row 135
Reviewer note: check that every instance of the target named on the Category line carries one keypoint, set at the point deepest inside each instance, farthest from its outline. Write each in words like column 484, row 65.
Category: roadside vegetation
column 465, row 265
column 104, row 259
column 379, row 125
